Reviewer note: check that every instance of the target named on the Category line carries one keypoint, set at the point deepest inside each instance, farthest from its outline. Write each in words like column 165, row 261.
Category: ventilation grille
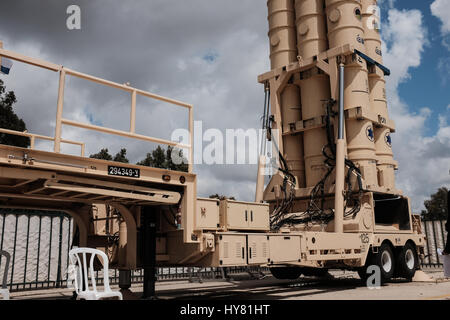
column 264, row 250
column 225, row 250
column 238, row 250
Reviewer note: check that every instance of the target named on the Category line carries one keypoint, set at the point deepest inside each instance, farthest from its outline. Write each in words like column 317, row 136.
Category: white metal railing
column 60, row 121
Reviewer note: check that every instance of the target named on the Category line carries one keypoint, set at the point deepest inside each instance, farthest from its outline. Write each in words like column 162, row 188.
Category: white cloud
column 441, row 9
column 423, row 160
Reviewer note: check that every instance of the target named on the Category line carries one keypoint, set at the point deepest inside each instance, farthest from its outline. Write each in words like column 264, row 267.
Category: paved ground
column 344, row 286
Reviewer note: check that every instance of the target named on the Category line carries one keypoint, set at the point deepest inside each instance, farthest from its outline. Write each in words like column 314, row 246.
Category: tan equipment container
column 207, row 214
column 237, row 215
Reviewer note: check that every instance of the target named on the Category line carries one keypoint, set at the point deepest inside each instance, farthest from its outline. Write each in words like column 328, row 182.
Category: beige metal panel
column 293, row 144
column 236, row 215
column 344, row 21
column 315, row 88
column 311, row 27
column 372, row 37
column 329, row 246
column 284, row 248
column 258, row 249
column 282, row 35
column 207, row 214
column 232, row 250
column 233, row 215
column 258, row 217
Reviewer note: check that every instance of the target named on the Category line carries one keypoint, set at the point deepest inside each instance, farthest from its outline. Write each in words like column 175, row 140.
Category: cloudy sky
column 209, row 53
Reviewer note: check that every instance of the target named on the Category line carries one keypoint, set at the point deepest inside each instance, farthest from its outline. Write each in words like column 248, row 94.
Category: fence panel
column 436, row 235
column 39, row 244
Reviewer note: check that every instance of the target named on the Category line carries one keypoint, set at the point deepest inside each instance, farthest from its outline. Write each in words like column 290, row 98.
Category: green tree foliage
column 103, row 155
column 161, row 158
column 121, row 156
column 220, row 197
column 158, row 158
column 436, row 207
column 9, row 120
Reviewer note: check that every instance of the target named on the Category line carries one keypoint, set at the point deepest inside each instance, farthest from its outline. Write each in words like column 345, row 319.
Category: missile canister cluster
column 301, row 29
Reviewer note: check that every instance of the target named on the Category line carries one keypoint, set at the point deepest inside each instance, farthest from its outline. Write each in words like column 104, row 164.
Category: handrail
column 63, row 72
column 33, row 137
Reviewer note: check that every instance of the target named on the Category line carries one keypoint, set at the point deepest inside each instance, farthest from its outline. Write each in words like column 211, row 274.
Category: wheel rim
column 386, row 261
column 409, row 259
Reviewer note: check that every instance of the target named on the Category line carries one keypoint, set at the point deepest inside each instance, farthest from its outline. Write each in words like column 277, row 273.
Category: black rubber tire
column 286, row 273
column 407, row 252
column 385, row 249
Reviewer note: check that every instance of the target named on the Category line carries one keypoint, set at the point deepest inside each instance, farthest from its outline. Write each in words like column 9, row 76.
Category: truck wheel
column 286, row 273
column 385, row 260
column 407, row 261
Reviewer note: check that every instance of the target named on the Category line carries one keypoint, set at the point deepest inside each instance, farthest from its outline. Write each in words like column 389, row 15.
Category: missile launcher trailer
column 332, row 204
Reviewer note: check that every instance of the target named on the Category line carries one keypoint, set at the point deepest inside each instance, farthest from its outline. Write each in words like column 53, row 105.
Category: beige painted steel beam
column 33, row 138
column 122, row 133
column 28, row 60
column 109, row 184
column 169, row 197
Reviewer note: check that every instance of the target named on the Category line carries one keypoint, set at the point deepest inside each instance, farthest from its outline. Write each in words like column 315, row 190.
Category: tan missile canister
column 282, row 34
column 315, row 89
column 344, row 20
column 293, row 144
column 378, row 103
column 360, row 133
column 311, row 27
column 283, row 51
column 315, row 86
column 383, row 143
column 371, row 26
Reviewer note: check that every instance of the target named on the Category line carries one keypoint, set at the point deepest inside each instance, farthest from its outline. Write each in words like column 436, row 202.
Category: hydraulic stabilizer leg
column 149, row 251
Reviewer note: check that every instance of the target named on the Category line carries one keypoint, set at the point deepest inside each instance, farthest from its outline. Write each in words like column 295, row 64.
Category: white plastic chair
column 4, row 289
column 80, row 268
